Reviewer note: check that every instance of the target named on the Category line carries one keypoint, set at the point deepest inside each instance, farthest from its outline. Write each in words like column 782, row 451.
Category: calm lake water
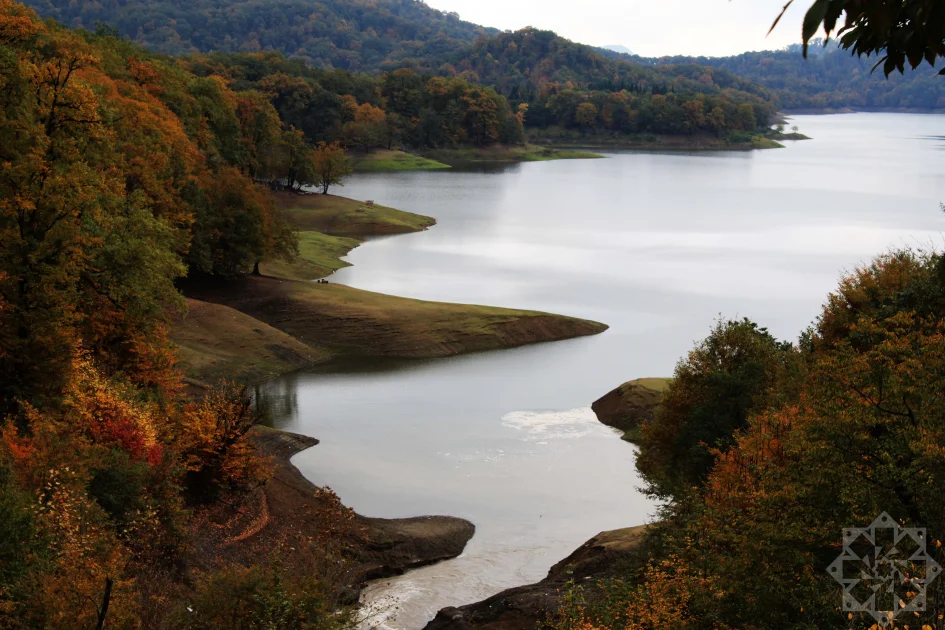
column 655, row 245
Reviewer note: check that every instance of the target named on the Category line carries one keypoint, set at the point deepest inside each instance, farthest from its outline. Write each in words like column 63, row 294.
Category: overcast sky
column 651, row 28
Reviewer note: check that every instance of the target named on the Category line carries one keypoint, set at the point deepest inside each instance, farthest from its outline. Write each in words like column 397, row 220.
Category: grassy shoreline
column 258, row 327
column 507, row 154
column 391, row 161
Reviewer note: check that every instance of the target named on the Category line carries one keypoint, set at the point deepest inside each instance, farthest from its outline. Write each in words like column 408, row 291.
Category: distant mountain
column 349, row 34
column 617, row 48
column 829, row 78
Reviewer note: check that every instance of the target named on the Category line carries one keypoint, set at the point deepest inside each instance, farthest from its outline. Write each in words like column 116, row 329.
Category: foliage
column 827, row 78
column 554, row 77
column 857, row 432
column 525, row 67
column 215, row 453
column 354, row 35
column 912, row 30
column 261, row 597
column 331, row 166
column 117, row 170
column 402, row 107
column 737, row 370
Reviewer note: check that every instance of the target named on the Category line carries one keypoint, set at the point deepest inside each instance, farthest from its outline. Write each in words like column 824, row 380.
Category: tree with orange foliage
column 856, row 431
column 366, row 130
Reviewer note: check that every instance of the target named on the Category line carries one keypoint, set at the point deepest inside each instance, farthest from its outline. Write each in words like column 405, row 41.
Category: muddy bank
column 215, row 342
column 289, row 509
column 381, row 547
column 604, row 556
column 351, row 323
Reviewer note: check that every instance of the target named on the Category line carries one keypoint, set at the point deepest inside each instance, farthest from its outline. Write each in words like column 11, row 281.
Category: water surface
column 655, row 245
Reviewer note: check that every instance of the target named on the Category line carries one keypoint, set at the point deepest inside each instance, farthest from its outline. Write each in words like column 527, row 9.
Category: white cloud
column 647, row 27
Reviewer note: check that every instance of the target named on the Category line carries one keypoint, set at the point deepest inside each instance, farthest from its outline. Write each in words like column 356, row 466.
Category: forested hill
column 829, row 78
column 350, row 34
column 519, row 63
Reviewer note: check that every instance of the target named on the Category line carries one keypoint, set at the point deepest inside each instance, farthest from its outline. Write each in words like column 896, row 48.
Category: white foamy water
column 539, row 426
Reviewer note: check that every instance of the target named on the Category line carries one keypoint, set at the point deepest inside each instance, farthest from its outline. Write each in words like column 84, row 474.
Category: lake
column 658, row 246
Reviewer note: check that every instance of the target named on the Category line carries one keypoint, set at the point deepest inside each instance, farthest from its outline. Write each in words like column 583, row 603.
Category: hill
column 297, row 52
column 350, row 34
column 578, row 89
column 830, row 78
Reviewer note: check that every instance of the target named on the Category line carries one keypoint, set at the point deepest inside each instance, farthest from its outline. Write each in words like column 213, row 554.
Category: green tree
column 728, row 376
column 586, row 115
column 260, row 134
column 332, row 166
column 296, row 160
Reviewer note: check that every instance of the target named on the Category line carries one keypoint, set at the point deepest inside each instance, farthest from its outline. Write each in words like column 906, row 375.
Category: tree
column 260, row 134
column 716, row 120
column 332, row 166
column 296, row 160
column 586, row 115
column 745, row 118
column 901, row 30
column 731, row 374
column 367, row 128
column 237, row 227
column 695, row 118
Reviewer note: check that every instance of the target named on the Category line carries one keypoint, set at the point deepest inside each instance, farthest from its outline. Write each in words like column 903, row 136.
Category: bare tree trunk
column 103, row 611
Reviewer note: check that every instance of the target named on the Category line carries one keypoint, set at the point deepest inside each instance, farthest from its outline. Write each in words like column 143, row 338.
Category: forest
column 763, row 451
column 353, row 34
column 830, row 78
column 543, row 77
column 122, row 172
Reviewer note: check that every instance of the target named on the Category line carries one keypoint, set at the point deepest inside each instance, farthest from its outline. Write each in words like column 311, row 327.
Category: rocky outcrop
column 290, row 506
column 630, row 405
column 523, row 607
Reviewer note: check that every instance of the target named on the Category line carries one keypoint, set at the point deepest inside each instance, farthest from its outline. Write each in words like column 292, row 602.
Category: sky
column 651, row 28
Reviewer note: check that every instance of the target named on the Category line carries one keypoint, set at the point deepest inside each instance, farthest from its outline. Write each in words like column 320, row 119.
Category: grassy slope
column 527, row 153
column 357, row 323
column 340, row 216
column 260, row 326
column 319, row 256
column 385, row 161
column 659, row 384
column 216, row 342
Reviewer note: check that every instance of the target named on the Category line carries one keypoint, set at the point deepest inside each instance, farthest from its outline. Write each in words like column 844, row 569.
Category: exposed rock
column 383, row 547
column 288, row 510
column 523, row 607
column 631, row 404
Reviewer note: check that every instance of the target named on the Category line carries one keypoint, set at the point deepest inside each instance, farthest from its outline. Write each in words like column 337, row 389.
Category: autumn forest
column 142, row 155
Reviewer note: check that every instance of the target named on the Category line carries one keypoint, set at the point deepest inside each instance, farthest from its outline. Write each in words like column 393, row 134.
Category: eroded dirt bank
column 289, row 510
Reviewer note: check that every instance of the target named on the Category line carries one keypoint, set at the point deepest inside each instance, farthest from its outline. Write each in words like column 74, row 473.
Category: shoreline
column 827, row 111
column 375, row 547
column 261, row 327
column 525, row 607
column 602, row 558
column 257, row 327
